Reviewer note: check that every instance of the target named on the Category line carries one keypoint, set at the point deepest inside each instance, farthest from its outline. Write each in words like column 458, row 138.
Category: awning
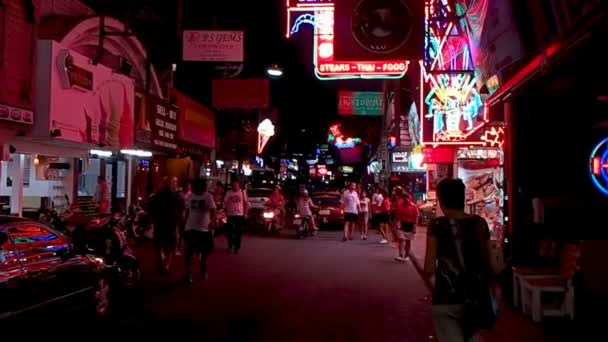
column 52, row 147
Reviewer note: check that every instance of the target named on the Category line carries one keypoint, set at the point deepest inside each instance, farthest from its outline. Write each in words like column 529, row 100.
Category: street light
column 274, row 71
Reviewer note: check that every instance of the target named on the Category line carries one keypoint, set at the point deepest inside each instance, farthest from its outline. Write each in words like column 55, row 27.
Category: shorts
column 364, row 216
column 407, row 227
column 165, row 236
column 380, row 218
column 198, row 241
column 351, row 217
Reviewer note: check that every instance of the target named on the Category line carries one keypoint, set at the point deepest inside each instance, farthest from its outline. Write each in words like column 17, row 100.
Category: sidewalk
column 511, row 326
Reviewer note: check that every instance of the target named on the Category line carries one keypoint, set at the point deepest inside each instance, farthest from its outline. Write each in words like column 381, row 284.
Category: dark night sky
column 303, row 101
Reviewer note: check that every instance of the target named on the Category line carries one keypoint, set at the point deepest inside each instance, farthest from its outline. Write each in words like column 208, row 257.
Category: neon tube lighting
column 100, row 153
column 136, row 153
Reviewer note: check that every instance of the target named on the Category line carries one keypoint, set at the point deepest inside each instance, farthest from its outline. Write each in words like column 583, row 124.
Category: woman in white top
column 364, row 203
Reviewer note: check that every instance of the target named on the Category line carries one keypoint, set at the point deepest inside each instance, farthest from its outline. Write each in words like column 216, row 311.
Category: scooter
column 270, row 221
column 304, row 226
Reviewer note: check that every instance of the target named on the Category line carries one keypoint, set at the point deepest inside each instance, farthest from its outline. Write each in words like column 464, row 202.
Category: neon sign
column 339, row 140
column 598, row 166
column 306, row 6
column 326, row 68
column 494, row 136
column 265, row 131
column 453, row 109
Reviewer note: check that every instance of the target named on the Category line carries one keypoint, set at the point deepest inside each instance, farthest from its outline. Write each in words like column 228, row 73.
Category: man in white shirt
column 351, row 207
column 237, row 205
column 198, row 234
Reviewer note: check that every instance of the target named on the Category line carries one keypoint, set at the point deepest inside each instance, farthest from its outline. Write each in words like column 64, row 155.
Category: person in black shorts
column 351, row 207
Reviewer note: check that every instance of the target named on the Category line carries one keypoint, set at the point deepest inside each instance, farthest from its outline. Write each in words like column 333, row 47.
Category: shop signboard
column 196, row 122
column 252, row 93
column 102, row 115
column 213, row 46
column 366, row 103
column 379, row 30
column 156, row 124
column 14, row 114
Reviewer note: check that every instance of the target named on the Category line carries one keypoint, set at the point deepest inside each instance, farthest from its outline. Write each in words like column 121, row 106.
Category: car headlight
column 268, row 214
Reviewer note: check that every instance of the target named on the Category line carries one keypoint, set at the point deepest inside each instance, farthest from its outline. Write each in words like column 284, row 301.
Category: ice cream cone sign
column 265, row 131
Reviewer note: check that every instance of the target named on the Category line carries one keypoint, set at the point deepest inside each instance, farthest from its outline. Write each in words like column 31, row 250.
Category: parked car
column 42, row 273
column 330, row 209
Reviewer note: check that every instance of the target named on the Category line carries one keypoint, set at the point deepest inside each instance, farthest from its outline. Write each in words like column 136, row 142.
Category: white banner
column 213, row 46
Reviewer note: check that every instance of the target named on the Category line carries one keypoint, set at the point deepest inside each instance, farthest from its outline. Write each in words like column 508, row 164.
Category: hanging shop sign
column 379, row 30
column 156, row 123
column 250, row 93
column 102, row 115
column 365, row 103
column 213, row 46
column 327, row 66
column 598, row 166
column 196, row 124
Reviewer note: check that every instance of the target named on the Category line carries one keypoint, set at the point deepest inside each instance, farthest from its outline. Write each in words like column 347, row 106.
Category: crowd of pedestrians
column 457, row 254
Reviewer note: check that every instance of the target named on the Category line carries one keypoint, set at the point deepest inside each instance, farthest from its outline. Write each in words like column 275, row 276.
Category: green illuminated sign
column 368, row 103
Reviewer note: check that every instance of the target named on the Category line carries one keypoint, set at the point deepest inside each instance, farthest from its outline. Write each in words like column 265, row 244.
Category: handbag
column 480, row 306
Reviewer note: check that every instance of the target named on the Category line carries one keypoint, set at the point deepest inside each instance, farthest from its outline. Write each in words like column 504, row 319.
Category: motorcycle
column 270, row 220
column 138, row 225
column 304, row 226
column 104, row 237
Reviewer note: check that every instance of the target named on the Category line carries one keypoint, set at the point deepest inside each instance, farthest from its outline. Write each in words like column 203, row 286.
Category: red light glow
column 324, row 54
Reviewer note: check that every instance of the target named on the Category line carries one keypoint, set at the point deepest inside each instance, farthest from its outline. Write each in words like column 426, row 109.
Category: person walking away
column 458, row 253
column 186, row 195
column 102, row 196
column 237, row 205
column 407, row 215
column 218, row 193
column 198, row 230
column 166, row 209
column 304, row 206
column 351, row 207
column 364, row 214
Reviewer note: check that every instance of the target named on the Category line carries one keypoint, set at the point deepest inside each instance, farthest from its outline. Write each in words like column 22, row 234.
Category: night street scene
column 303, row 170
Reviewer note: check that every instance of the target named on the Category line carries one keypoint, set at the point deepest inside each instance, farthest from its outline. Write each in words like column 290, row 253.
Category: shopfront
column 156, row 125
column 84, row 118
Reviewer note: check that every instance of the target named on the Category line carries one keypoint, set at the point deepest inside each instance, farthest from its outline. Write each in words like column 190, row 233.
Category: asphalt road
column 283, row 289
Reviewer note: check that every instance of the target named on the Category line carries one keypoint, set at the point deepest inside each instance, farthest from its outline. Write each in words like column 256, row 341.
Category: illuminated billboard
column 326, row 67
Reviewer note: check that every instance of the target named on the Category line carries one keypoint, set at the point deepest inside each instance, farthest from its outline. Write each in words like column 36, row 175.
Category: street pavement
column 283, row 289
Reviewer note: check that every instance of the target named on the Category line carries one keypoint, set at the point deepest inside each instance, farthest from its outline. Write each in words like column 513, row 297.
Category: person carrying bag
column 458, row 254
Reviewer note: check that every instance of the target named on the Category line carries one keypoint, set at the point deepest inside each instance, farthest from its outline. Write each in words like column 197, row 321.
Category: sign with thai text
column 213, row 46
column 368, row 103
column 163, row 122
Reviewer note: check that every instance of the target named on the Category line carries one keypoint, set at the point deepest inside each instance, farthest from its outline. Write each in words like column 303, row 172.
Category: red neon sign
column 325, row 65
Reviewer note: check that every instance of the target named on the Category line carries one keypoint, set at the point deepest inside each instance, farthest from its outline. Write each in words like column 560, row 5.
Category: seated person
column 277, row 202
column 304, row 206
